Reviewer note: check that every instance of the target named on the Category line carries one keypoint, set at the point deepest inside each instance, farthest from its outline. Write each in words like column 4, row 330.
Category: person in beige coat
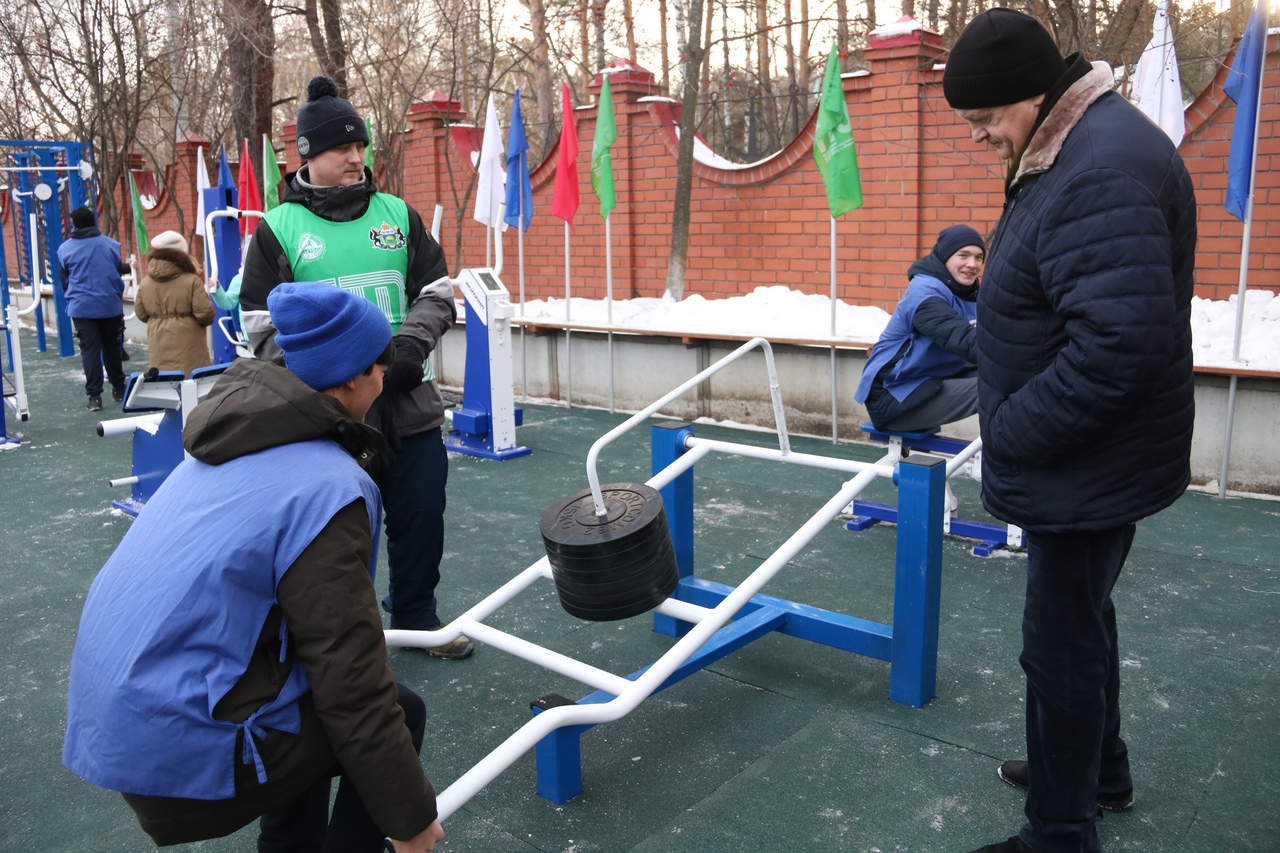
column 173, row 303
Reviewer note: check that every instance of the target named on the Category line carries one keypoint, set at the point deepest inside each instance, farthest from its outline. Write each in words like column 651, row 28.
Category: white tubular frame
column 706, row 621
column 779, row 416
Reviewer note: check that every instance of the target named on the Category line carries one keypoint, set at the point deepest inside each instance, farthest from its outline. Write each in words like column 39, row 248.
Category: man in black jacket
column 1085, row 392
column 333, row 225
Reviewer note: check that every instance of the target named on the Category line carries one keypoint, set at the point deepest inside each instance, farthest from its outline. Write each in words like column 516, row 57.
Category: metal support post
column 667, row 441
column 917, row 587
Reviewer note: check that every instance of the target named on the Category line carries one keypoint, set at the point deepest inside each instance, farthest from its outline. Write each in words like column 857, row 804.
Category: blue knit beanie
column 953, row 238
column 327, row 334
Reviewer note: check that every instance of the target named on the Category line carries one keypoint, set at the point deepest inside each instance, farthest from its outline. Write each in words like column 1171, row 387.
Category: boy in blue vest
column 225, row 672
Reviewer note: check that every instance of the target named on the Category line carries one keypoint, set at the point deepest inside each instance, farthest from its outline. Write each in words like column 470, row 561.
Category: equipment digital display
column 490, row 283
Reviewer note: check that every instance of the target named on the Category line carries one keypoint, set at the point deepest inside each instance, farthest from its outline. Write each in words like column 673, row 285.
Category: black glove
column 405, row 372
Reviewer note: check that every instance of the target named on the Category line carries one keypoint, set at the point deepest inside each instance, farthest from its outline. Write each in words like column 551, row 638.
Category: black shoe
column 1012, row 845
column 1018, row 775
column 124, row 354
column 95, row 404
column 117, row 394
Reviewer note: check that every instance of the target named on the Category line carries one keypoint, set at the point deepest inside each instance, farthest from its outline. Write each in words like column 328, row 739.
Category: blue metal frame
column 69, row 191
column 910, row 644
column 991, row 537
column 472, row 431
column 225, row 244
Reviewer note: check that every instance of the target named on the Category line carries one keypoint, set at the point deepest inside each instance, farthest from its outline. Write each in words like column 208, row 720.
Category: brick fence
column 768, row 223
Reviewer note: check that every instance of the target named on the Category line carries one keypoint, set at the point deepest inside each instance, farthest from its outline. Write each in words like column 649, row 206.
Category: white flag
column 1157, row 86
column 491, row 189
column 202, row 184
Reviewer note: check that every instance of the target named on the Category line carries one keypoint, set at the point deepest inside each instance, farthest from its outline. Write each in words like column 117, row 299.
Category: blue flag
column 1243, row 84
column 519, row 191
column 224, row 169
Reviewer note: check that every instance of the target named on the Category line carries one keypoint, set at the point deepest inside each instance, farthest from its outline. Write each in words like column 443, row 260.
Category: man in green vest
column 333, row 225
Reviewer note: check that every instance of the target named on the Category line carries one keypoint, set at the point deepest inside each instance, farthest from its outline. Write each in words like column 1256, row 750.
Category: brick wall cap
column 905, row 30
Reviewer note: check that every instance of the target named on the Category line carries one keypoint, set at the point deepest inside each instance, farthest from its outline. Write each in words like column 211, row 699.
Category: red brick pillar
column 628, row 83
column 901, row 65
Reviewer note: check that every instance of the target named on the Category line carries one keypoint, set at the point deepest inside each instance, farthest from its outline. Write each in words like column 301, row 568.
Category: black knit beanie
column 1001, row 58
column 953, row 238
column 326, row 120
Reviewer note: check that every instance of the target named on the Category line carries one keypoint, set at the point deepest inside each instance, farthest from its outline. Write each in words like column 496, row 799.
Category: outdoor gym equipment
column 485, row 425
column 225, row 254
column 15, row 390
column 991, row 536
column 45, row 178
column 162, row 403
column 711, row 619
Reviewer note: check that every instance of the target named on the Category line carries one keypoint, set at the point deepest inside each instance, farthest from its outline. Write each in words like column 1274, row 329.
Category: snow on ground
column 778, row 312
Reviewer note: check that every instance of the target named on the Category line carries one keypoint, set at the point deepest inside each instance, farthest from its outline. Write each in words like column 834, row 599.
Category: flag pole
column 524, row 364
column 1244, row 274
column 568, row 332
column 608, row 305
column 834, row 421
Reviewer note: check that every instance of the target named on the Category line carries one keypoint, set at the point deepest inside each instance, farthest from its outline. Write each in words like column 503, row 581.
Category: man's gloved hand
column 405, row 372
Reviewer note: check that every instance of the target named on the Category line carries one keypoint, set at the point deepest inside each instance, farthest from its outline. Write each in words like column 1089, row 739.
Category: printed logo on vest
column 310, row 247
column 388, row 237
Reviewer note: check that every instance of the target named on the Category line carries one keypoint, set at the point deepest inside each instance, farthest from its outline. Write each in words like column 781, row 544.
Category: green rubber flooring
column 782, row 746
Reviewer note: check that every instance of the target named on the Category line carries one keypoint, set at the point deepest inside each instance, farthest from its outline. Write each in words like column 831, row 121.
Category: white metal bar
column 15, row 355
column 509, row 751
column 954, row 463
column 125, row 426
column 851, row 466
column 556, row 662
column 778, row 413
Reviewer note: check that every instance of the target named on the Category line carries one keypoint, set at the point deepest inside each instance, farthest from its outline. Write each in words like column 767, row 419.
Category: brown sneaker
column 1017, row 774
column 458, row 649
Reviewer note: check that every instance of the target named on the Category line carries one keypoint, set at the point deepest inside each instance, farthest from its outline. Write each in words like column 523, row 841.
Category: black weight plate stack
column 611, row 567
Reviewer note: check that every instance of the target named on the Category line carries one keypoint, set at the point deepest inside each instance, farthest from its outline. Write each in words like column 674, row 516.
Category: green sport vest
column 368, row 256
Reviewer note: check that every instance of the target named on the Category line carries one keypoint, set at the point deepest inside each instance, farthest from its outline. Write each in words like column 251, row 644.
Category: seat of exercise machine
column 163, row 390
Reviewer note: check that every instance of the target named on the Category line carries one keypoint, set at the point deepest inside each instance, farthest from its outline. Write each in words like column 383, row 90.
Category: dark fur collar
column 1045, row 146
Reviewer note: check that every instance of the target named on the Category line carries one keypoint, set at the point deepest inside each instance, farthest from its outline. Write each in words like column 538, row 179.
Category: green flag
column 270, row 176
column 368, row 152
column 139, row 222
column 833, row 144
column 601, row 162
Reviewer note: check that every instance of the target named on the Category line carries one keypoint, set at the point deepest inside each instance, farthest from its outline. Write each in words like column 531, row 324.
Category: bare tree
column 251, row 41
column 327, row 41
column 680, row 214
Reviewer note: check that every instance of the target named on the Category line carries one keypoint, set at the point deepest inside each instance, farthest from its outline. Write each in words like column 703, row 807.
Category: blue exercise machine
column 160, row 404
column 485, row 425
column 990, row 536
column 710, row 619
column 46, row 180
column 15, row 389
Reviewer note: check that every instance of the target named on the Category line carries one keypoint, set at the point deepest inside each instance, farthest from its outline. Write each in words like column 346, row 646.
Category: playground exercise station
column 991, row 537
column 44, row 179
column 623, row 549
column 485, row 424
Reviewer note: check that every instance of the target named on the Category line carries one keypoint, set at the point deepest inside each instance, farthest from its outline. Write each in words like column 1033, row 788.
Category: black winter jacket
column 1084, row 322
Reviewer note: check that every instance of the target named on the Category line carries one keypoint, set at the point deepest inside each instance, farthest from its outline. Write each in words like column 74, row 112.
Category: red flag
column 564, row 200
column 249, row 198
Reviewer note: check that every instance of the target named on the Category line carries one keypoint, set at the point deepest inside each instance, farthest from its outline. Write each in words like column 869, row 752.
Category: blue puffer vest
column 140, row 705
column 923, row 359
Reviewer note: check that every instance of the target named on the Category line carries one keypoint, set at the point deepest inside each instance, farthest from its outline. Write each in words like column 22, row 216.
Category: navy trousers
column 99, row 347
column 1071, row 659
column 305, row 824
column 413, row 501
